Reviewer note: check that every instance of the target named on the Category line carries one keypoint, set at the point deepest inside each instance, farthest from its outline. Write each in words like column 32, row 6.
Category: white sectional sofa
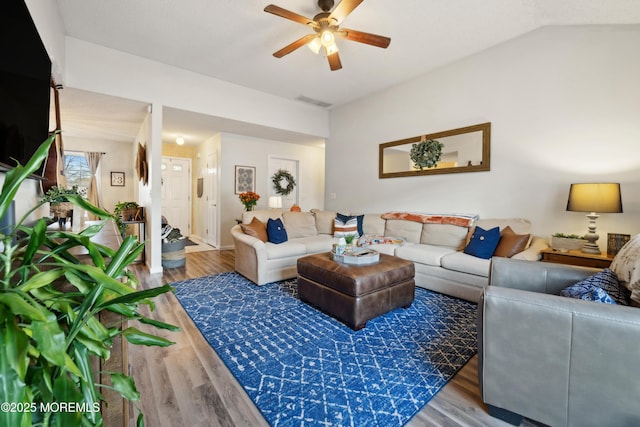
column 434, row 243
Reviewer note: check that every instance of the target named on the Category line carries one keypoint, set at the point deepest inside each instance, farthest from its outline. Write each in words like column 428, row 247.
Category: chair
column 556, row 360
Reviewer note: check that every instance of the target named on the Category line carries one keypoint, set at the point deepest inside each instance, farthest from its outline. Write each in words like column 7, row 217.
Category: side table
column 576, row 257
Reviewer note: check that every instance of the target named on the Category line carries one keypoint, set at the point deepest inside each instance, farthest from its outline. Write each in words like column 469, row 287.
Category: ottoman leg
column 358, row 327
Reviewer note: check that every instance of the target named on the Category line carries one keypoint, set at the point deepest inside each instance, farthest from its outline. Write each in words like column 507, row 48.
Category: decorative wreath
column 279, row 178
column 426, row 154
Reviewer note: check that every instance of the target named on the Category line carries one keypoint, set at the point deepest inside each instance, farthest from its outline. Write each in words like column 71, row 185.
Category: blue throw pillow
column 587, row 292
column 606, row 283
column 275, row 231
column 483, row 242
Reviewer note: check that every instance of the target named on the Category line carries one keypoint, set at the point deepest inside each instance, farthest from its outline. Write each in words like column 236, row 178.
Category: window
column 77, row 170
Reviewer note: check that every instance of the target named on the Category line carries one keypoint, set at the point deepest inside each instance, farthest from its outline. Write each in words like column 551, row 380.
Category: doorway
column 176, row 193
column 290, row 165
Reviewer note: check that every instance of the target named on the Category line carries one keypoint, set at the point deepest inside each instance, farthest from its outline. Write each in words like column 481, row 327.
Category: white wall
column 564, row 103
column 247, row 151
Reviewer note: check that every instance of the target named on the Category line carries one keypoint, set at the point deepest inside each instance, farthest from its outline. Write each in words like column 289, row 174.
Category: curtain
column 93, row 160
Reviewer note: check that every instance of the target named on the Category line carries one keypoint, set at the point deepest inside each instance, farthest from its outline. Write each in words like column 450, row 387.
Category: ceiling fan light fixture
column 327, row 38
column 315, row 45
column 331, row 49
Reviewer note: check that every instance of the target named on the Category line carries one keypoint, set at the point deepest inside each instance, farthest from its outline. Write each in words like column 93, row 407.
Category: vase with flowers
column 249, row 199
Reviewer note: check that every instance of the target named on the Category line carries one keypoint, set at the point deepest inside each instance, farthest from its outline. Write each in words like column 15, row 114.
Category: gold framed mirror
column 464, row 149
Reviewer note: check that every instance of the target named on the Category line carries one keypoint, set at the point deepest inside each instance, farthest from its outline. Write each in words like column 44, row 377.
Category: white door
column 211, row 208
column 290, row 165
column 176, row 193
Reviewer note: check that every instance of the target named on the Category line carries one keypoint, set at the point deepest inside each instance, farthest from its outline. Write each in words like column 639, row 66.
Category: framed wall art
column 615, row 242
column 245, row 179
column 117, row 179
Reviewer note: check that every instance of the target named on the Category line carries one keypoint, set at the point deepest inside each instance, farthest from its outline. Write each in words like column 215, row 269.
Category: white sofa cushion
column 408, row 230
column 444, row 235
column 423, row 254
column 324, row 221
column 319, row 243
column 459, row 261
column 373, row 224
column 299, row 224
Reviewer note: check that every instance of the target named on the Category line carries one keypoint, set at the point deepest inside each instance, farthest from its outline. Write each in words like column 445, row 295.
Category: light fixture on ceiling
column 325, row 40
column 180, row 140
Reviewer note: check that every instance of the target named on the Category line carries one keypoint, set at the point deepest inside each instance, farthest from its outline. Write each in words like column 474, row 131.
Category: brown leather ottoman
column 355, row 294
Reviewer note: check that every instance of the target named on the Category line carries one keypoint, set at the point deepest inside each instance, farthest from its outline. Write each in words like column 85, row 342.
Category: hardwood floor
column 188, row 385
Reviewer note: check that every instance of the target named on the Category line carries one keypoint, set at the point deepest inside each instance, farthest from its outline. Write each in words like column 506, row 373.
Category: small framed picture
column 117, row 179
column 615, row 242
column 245, row 179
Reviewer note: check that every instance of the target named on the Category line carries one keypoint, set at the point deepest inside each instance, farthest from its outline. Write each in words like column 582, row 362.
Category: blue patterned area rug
column 304, row 368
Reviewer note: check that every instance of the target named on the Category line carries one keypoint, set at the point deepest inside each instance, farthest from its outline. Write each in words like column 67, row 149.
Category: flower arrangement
column 249, row 199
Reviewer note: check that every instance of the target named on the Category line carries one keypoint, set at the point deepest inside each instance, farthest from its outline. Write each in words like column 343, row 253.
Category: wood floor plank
column 187, row 384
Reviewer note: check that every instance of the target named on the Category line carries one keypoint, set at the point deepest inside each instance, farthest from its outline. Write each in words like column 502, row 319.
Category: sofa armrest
column 541, row 277
column 553, row 359
column 250, row 255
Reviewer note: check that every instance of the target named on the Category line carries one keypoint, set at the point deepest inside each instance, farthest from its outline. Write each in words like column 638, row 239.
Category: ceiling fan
column 326, row 26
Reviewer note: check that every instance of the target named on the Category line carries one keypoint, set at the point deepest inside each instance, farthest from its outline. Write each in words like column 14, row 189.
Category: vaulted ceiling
column 233, row 40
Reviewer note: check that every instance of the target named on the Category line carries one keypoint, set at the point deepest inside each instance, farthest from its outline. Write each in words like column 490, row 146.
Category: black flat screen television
column 25, row 86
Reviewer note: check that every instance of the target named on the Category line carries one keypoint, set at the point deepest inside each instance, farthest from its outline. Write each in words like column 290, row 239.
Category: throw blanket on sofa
column 461, row 220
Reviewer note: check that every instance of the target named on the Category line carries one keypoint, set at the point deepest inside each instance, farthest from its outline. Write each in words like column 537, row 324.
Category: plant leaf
column 51, row 341
column 36, row 239
column 14, row 178
column 125, row 385
column 158, row 324
column 12, row 387
column 64, row 390
column 90, row 394
column 16, row 346
column 137, row 337
column 41, row 279
column 138, row 296
column 19, row 306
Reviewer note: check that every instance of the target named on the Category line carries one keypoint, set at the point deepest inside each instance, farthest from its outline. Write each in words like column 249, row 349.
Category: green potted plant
column 50, row 303
column 567, row 242
column 126, row 210
column 60, row 206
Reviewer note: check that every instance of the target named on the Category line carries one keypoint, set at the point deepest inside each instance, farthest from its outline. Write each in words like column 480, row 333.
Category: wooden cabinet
column 576, row 257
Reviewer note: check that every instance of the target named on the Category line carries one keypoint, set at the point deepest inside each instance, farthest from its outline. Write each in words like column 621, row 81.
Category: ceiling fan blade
column 295, row 45
column 344, row 8
column 367, row 38
column 284, row 13
column 334, row 61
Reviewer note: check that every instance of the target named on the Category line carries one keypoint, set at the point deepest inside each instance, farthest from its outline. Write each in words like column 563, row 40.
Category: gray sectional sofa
column 435, row 248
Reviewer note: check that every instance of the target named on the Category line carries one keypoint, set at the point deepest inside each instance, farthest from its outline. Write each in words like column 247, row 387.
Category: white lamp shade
column 275, row 202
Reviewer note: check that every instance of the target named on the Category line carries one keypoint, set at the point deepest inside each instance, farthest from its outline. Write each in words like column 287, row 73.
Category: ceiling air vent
column 313, row 101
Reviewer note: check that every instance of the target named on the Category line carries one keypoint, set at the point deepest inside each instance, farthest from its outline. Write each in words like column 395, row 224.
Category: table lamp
column 275, row 202
column 592, row 198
